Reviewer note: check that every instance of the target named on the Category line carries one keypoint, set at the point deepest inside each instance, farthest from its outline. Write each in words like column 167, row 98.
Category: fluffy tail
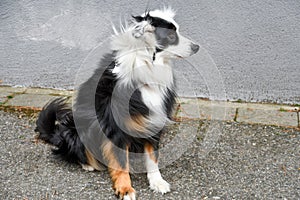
column 56, row 126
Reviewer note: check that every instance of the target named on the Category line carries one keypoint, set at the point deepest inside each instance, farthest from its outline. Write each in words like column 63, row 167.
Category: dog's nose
column 195, row 48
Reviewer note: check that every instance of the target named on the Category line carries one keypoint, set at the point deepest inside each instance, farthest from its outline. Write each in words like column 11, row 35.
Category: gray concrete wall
column 255, row 45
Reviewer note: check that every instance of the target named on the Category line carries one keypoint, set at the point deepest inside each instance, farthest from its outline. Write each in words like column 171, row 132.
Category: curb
column 31, row 101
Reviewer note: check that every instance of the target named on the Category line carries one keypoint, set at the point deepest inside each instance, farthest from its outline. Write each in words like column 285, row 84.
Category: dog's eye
column 172, row 37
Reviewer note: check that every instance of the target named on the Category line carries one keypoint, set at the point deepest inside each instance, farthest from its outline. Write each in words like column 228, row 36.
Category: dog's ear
column 141, row 28
column 142, row 25
column 138, row 18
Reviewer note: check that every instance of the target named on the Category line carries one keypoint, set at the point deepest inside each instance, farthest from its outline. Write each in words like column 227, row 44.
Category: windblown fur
column 124, row 105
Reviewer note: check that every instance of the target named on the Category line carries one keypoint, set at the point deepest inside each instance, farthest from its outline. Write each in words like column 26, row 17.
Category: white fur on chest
column 152, row 97
column 153, row 73
column 153, row 79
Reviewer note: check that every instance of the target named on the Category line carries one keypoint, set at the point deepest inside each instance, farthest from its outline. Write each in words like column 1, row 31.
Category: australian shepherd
column 121, row 111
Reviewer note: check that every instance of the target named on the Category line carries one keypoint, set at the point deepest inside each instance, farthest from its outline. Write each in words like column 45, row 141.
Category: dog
column 123, row 108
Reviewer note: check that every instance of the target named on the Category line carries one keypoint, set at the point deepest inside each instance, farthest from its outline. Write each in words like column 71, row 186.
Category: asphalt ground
column 245, row 162
column 250, row 49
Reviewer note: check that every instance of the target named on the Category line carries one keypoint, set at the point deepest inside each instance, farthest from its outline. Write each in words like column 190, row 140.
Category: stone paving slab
column 11, row 90
column 29, row 100
column 203, row 109
column 187, row 108
column 49, row 92
column 271, row 117
column 8, row 92
column 258, row 113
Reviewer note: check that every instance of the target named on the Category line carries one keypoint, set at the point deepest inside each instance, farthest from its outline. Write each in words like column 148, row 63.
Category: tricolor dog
column 129, row 98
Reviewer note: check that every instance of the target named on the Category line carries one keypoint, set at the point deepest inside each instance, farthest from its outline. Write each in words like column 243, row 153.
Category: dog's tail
column 56, row 126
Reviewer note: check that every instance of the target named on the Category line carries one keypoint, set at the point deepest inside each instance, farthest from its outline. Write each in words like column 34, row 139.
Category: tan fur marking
column 109, row 156
column 150, row 150
column 92, row 161
column 122, row 183
column 120, row 177
column 136, row 123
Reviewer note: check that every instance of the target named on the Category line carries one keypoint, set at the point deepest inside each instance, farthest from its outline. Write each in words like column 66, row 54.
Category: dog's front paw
column 160, row 185
column 130, row 196
column 125, row 193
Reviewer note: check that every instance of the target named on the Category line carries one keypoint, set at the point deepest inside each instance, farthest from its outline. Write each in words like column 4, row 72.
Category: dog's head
column 159, row 25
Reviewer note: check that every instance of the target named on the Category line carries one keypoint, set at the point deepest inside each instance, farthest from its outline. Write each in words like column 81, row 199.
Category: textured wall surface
column 251, row 49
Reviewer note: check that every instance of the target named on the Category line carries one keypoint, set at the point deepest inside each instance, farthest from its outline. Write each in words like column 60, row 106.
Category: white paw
column 87, row 167
column 160, row 185
column 130, row 196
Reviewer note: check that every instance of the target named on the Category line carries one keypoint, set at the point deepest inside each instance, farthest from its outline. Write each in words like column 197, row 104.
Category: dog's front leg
column 157, row 183
column 118, row 166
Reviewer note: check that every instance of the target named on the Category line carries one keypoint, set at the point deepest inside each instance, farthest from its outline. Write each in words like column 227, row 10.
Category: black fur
column 56, row 127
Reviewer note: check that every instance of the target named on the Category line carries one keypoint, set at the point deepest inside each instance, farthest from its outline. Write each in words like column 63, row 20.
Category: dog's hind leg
column 92, row 164
column 157, row 183
column 118, row 166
